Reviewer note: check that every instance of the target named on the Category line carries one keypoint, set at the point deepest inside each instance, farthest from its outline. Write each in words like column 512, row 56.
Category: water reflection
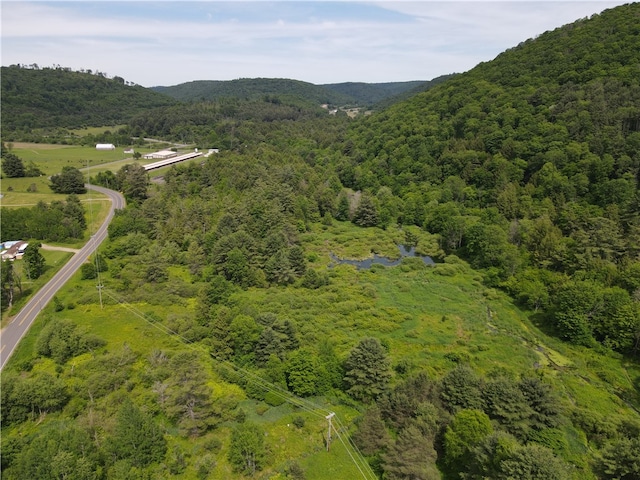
column 379, row 260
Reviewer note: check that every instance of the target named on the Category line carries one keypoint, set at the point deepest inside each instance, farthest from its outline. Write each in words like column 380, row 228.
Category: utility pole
column 329, row 417
column 100, row 287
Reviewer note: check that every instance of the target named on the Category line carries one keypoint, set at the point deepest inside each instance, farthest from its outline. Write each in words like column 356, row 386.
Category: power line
column 310, row 407
column 99, row 285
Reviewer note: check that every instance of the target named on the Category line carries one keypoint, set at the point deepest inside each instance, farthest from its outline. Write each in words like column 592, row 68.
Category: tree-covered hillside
column 252, row 89
column 528, row 166
column 404, row 95
column 47, row 97
column 228, row 123
column 371, row 93
column 348, row 93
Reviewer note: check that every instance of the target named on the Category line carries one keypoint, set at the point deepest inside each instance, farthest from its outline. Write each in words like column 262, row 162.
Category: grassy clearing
column 51, row 158
column 81, row 132
column 27, row 192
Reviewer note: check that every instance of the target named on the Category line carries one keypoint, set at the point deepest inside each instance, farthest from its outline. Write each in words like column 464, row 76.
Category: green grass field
column 28, row 192
column 81, row 132
column 52, row 158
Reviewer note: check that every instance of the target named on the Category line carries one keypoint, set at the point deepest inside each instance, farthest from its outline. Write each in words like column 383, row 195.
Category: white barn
column 105, row 146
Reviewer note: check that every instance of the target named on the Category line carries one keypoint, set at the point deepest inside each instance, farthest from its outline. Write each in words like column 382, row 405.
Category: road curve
column 14, row 331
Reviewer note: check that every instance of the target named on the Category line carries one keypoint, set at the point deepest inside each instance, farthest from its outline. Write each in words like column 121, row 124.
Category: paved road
column 13, row 333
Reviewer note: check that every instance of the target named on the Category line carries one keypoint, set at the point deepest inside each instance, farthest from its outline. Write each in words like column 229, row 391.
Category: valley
column 446, row 288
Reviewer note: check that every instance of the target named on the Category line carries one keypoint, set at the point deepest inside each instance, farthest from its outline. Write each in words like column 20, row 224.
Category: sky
column 154, row 43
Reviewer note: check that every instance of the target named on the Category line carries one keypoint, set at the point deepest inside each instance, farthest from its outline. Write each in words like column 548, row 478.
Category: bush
column 273, row 399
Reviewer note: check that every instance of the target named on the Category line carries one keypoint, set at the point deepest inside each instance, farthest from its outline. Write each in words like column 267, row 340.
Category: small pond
column 379, row 260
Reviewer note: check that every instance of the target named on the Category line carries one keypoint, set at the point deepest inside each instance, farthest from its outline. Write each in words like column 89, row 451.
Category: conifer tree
column 12, row 165
column 137, row 438
column 367, row 372
column 412, row 456
column 366, row 214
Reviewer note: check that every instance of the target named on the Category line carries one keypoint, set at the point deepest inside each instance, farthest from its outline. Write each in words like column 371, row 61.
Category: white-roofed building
column 161, row 155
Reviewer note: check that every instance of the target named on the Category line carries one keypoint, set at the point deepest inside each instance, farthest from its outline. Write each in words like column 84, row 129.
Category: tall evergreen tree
column 366, row 214
column 343, row 209
column 137, row 438
column 133, row 181
column 268, row 344
column 367, row 372
column 372, row 436
column 12, row 165
column 412, row 456
column 188, row 396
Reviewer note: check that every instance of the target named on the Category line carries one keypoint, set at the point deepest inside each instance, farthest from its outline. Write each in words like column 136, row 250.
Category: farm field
column 28, row 192
column 52, row 158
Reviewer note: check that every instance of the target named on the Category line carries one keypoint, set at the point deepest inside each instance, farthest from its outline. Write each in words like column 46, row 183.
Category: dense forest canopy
column 253, row 88
column 528, row 166
column 381, row 95
column 516, row 355
column 335, row 94
column 52, row 97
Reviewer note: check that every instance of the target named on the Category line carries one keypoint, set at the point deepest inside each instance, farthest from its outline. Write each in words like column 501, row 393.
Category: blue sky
column 166, row 43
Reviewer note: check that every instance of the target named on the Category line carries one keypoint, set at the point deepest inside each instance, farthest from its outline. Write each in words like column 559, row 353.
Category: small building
column 129, row 151
column 105, row 146
column 16, row 250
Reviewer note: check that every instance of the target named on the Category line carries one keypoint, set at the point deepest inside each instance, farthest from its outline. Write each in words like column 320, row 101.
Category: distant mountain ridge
column 371, row 93
column 251, row 89
column 56, row 97
column 347, row 93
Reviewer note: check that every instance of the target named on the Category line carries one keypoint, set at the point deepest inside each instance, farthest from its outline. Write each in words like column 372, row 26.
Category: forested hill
column 560, row 114
column 253, row 89
column 371, row 93
column 406, row 94
column 58, row 97
column 528, row 166
column 348, row 93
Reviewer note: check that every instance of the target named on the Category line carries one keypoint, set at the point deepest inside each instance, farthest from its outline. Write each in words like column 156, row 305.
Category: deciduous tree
column 247, row 452
column 70, row 180
column 33, row 261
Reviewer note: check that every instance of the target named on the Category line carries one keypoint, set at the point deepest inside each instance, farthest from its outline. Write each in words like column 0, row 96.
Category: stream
column 379, row 260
